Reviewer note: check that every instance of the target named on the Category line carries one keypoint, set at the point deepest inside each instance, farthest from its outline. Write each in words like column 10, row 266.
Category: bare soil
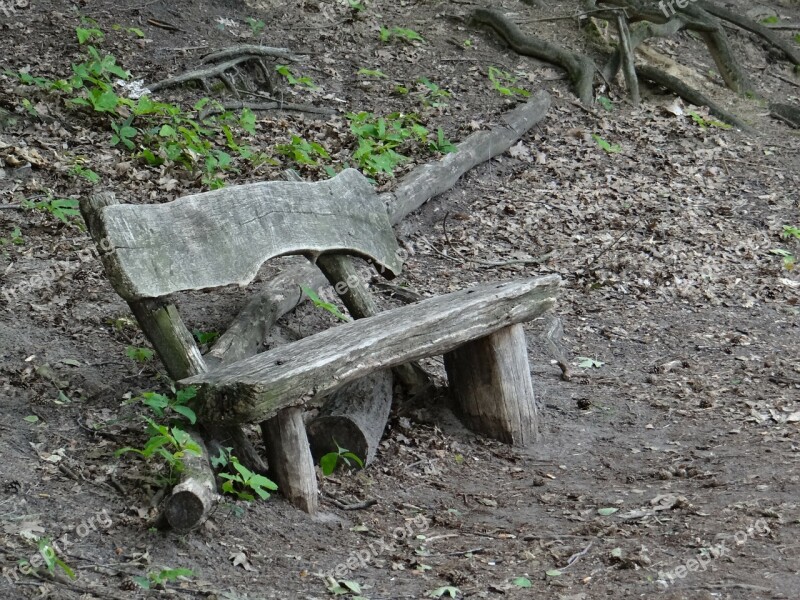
column 667, row 465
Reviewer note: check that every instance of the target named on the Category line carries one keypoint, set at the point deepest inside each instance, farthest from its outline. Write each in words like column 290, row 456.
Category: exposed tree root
column 231, row 58
column 691, row 95
column 580, row 68
column 787, row 113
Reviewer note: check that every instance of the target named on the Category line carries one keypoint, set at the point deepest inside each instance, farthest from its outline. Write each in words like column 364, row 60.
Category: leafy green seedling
column 441, row 144
column 140, row 355
column 89, row 35
column 789, row 259
column 133, row 30
column 771, row 20
column 243, row 481
column 157, row 579
column 409, row 35
column 15, row 238
column 320, row 303
column 51, row 558
column 205, row 337
column 447, row 590
column 302, row 151
column 356, row 5
column 342, row 587
column 79, row 170
column 328, row 462
column 160, row 404
column 605, row 103
column 62, row 209
column 789, row 231
column 521, row 582
column 503, row 82
column 256, row 25
column 610, row 148
column 371, row 72
column 171, row 444
column 706, row 123
column 433, row 93
column 292, row 79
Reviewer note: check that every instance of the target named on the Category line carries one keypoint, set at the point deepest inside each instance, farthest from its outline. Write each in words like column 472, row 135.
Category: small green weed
column 303, row 152
column 320, row 303
column 372, row 73
column 205, row 337
column 356, row 6
column 441, row 144
column 242, row 482
column 771, row 20
column 503, row 82
column 171, row 444
column 63, row 209
column 378, row 138
column 256, row 25
column 177, row 403
column 293, row 79
column 605, row 103
column 51, row 559
column 15, row 238
column 78, row 170
column 401, row 33
column 140, row 355
column 789, row 259
column 433, row 94
column 705, row 123
column 157, row 579
column 610, row 148
column 132, row 30
column 328, row 462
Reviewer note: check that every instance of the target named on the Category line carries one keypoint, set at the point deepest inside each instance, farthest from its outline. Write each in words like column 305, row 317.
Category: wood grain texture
column 196, row 494
column 223, row 237
column 289, row 458
column 256, row 388
column 490, row 378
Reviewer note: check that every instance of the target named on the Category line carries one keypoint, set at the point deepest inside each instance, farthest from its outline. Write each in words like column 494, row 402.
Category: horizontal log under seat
column 256, row 388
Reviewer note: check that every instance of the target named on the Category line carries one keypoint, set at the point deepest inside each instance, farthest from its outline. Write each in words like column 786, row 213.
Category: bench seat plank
column 224, row 236
column 256, row 388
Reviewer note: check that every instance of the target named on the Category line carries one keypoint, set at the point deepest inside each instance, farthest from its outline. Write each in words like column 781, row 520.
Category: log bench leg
column 289, row 458
column 491, row 381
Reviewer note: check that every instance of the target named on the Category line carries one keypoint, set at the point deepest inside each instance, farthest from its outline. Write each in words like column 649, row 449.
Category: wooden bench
column 223, row 237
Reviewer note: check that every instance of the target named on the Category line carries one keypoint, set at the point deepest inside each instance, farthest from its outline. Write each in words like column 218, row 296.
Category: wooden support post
column 628, row 67
column 192, row 499
column 289, row 458
column 491, row 381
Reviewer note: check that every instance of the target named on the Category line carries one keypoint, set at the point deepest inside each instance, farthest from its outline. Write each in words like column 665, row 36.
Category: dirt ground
column 667, row 465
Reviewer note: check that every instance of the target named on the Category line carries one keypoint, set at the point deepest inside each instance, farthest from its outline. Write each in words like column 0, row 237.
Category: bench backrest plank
column 224, row 236
column 256, row 388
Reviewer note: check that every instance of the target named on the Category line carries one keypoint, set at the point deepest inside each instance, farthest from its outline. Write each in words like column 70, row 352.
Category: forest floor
column 668, row 466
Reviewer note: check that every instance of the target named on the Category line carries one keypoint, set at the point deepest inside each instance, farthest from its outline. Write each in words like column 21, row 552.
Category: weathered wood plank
column 256, row 388
column 490, row 379
column 222, row 237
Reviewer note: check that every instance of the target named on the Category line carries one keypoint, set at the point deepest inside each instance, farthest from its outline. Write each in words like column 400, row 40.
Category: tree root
column 580, row 67
column 678, row 87
column 231, row 58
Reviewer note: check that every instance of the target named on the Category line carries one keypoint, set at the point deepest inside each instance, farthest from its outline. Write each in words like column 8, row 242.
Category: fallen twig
column 575, row 557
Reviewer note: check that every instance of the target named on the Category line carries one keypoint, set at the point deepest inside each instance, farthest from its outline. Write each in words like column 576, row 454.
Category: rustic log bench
column 222, row 237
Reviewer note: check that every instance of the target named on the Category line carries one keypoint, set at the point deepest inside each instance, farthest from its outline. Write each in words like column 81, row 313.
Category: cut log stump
column 491, row 381
column 353, row 417
column 194, row 496
column 289, row 458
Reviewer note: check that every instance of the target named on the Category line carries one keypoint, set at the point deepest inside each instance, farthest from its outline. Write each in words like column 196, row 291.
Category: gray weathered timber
column 256, row 388
column 191, row 500
column 490, row 378
column 431, row 179
column 290, row 458
column 222, row 237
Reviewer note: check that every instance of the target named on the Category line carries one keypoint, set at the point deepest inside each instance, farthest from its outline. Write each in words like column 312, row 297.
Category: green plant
column 328, row 462
column 356, row 5
column 797, row 39
column 371, row 72
column 292, row 79
column 705, row 123
column 441, row 144
column 62, row 209
column 343, row 587
column 770, row 20
column 302, row 151
column 256, row 25
column 140, row 355
column 89, row 35
column 789, row 259
column 610, row 148
column 503, row 82
column 171, row 444
column 605, row 103
column 242, row 481
column 433, row 94
column 320, row 303
column 205, row 337
column 134, row 30
column 160, row 403
column 159, row 578
column 409, row 35
column 378, row 138
column 15, row 238
column 51, row 559
column 78, row 170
